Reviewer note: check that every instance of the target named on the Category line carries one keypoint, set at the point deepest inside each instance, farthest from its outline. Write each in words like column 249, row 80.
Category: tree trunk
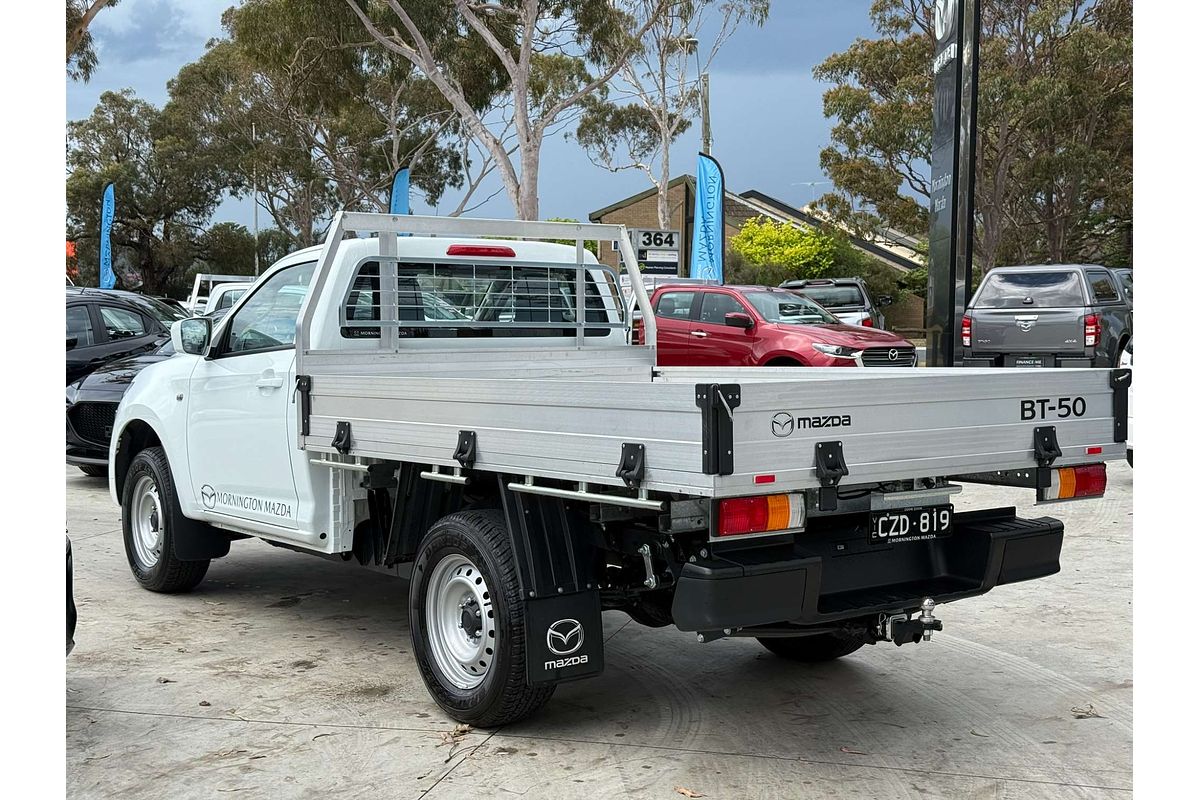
column 664, row 183
column 527, row 191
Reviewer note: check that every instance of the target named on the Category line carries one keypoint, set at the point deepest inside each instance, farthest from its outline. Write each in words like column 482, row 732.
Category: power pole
column 254, row 170
column 705, row 128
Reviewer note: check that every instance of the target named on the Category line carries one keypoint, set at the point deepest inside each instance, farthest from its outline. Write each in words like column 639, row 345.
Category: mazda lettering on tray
column 784, row 424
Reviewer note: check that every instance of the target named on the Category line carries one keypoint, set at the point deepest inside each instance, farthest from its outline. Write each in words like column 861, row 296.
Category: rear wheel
column 149, row 508
column 813, row 649
column 468, row 621
column 94, row 470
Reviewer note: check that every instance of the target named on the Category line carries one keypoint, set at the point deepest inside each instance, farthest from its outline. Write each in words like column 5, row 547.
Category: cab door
column 241, row 416
column 718, row 344
column 673, row 313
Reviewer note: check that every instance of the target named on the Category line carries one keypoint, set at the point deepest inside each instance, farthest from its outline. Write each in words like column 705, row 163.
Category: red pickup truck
column 742, row 326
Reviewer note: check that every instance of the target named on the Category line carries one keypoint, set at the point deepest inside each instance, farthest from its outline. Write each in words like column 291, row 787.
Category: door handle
column 269, row 380
column 701, row 334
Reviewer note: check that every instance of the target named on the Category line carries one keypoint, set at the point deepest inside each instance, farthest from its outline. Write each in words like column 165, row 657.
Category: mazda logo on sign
column 782, row 424
column 564, row 637
column 208, row 495
column 943, row 17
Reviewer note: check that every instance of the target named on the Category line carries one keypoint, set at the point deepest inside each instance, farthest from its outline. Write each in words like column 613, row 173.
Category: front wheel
column 813, row 649
column 467, row 620
column 149, row 508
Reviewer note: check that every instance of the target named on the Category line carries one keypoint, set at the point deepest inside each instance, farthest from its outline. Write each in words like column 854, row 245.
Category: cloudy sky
column 766, row 108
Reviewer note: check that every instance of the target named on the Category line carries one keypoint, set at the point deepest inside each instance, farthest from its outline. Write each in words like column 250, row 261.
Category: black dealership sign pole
column 952, row 206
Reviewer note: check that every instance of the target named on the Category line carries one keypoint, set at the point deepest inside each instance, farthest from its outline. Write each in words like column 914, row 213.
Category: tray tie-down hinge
column 1045, row 445
column 716, row 402
column 831, row 468
column 304, row 389
column 467, row 447
column 632, row 467
column 342, row 439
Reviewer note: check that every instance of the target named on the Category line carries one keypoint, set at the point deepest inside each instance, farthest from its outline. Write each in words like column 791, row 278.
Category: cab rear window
column 468, row 300
column 1050, row 289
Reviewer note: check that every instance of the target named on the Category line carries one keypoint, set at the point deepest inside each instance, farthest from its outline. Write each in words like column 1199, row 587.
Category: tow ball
column 900, row 629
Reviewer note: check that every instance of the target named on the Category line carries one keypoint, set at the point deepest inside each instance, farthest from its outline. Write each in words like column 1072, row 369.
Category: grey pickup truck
column 1049, row 315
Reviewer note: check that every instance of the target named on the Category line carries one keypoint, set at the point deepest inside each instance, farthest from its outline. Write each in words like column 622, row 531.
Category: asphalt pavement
column 288, row 676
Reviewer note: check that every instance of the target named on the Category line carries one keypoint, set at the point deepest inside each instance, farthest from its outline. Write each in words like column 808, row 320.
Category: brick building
column 641, row 211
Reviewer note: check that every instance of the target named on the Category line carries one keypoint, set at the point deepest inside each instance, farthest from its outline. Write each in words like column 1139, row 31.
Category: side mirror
column 72, row 341
column 739, row 320
column 885, row 300
column 191, row 335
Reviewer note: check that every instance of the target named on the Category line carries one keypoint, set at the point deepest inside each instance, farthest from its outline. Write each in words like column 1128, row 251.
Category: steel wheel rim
column 146, row 521
column 460, row 621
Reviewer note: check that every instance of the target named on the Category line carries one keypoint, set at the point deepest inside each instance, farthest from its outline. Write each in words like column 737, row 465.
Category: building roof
column 596, row 216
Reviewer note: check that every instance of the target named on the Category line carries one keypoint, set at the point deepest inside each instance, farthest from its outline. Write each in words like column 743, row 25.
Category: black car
column 104, row 325
column 92, row 406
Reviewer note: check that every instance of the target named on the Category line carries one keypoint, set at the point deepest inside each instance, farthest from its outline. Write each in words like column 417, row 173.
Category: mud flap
column 565, row 637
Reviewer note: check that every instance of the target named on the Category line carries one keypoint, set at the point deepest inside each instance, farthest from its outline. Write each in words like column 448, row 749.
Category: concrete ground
column 287, row 676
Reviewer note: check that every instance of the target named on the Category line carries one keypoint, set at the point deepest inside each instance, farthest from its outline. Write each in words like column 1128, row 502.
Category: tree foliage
column 549, row 54
column 639, row 134
column 1054, row 166
column 294, row 95
column 166, row 187
column 81, row 47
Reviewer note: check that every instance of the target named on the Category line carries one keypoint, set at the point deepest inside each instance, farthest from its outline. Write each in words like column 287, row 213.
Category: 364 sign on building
column 658, row 251
column 659, row 240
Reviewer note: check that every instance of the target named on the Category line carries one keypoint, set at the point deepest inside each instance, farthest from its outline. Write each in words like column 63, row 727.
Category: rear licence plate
column 1028, row 361
column 911, row 524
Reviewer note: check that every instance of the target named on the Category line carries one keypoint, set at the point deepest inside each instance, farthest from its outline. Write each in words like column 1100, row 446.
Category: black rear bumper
column 835, row 575
column 1047, row 359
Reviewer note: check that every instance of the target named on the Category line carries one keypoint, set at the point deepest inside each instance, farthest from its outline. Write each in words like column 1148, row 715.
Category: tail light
column 966, row 331
column 739, row 516
column 1069, row 483
column 1091, row 330
column 866, row 323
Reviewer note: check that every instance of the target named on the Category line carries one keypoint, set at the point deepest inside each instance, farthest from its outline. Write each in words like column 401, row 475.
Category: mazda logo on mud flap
column 782, row 424
column 564, row 637
column 208, row 496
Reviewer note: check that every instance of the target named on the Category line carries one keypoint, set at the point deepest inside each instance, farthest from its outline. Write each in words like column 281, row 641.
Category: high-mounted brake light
column 1069, row 483
column 485, row 250
column 740, row 516
column 966, row 331
column 1091, row 330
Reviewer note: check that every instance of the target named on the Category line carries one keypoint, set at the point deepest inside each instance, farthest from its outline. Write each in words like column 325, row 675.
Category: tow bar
column 900, row 629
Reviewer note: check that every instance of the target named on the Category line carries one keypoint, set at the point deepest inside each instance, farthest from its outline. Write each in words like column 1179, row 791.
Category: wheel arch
column 135, row 437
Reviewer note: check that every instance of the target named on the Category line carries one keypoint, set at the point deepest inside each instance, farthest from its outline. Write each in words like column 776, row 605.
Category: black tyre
column 94, row 470
column 813, row 649
column 1129, row 455
column 468, row 621
column 149, row 513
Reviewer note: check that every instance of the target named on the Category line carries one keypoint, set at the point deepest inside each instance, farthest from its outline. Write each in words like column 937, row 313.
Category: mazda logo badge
column 893, row 354
column 782, row 424
column 208, row 495
column 564, row 637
